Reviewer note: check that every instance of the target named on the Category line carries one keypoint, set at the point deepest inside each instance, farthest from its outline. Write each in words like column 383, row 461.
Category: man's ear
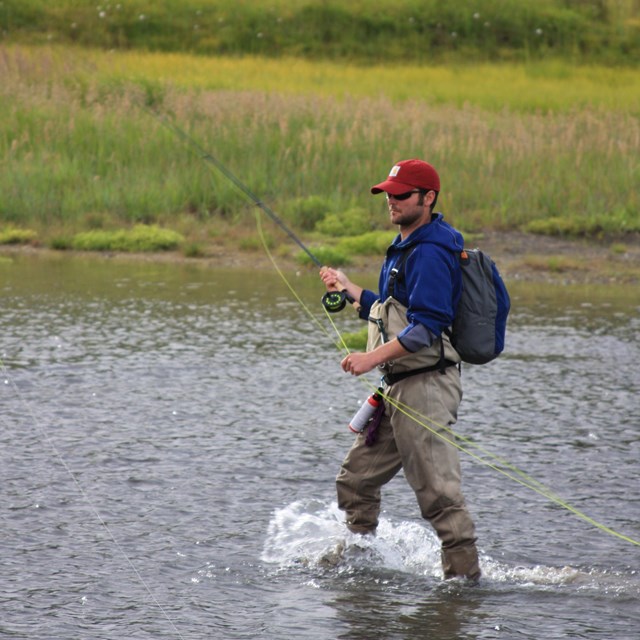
column 429, row 198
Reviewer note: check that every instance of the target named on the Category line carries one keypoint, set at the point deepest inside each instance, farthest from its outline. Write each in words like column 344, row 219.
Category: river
column 170, row 434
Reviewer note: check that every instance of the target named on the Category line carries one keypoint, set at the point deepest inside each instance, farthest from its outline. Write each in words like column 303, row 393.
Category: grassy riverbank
column 81, row 151
column 530, row 108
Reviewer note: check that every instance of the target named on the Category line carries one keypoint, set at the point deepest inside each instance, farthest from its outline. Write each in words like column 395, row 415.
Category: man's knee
column 452, row 522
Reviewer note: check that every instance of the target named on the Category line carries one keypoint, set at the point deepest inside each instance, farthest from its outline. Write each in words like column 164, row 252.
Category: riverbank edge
column 519, row 256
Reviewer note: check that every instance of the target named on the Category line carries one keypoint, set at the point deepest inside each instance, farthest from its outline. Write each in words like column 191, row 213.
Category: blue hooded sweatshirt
column 432, row 282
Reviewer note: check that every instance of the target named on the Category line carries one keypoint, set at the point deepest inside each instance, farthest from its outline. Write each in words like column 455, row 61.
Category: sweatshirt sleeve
column 367, row 298
column 430, row 281
column 415, row 336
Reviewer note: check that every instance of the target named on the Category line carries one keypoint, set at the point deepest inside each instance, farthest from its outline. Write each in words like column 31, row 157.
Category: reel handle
column 336, row 300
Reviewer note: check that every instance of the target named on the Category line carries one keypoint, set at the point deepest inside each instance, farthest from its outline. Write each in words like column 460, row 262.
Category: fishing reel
column 335, row 301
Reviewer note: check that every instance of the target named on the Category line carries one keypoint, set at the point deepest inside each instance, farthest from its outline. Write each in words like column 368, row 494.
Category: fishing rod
column 333, row 301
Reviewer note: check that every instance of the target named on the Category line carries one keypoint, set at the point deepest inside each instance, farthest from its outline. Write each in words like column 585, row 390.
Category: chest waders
column 387, row 319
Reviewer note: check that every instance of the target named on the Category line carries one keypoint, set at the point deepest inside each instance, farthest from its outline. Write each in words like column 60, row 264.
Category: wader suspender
column 396, row 275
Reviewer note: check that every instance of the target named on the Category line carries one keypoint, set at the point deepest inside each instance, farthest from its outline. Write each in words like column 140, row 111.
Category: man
column 419, row 288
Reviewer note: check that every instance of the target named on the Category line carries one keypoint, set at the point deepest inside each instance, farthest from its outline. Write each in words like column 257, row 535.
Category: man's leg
column 363, row 472
column 432, row 466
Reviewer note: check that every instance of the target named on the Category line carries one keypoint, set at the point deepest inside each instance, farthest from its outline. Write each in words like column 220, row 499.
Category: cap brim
column 393, row 187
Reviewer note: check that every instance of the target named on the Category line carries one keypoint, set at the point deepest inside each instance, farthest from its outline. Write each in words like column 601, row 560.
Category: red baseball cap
column 407, row 175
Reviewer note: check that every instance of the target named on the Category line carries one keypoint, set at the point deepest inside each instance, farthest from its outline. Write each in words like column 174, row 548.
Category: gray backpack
column 480, row 322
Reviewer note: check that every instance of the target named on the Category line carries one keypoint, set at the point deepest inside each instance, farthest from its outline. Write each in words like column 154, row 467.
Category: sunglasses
column 403, row 196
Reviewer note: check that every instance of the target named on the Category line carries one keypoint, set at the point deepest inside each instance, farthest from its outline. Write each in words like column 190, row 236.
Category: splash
column 312, row 534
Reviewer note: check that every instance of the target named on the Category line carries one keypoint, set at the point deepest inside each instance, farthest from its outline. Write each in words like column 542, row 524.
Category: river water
column 170, row 434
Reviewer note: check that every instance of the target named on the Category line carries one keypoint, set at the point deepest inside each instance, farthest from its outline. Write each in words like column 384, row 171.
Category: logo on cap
column 394, row 171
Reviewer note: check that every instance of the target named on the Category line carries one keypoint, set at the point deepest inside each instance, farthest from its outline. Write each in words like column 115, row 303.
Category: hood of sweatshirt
column 431, row 280
column 436, row 232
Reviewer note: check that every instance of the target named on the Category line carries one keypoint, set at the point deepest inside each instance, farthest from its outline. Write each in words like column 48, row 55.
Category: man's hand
column 334, row 279
column 359, row 363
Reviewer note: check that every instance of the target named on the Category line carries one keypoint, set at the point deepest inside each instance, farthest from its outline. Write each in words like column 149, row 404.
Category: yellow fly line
column 494, row 462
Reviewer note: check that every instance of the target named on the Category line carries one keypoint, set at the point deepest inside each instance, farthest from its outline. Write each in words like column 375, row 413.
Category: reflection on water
column 169, row 436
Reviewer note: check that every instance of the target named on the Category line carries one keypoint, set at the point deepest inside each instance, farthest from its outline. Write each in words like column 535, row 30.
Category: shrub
column 61, row 243
column 12, row 235
column 306, row 213
column 326, row 255
column 352, row 222
column 367, row 244
column 193, row 250
column 141, row 238
column 356, row 341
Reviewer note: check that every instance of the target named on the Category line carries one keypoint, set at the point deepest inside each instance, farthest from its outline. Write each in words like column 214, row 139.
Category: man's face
column 409, row 209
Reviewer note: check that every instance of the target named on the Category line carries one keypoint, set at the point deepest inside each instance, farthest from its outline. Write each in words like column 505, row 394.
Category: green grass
column 325, row 255
column 364, row 31
column 357, row 340
column 525, row 87
column 139, row 239
column 13, row 235
column 79, row 154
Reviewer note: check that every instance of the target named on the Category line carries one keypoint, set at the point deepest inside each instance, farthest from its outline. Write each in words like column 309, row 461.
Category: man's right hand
column 334, row 279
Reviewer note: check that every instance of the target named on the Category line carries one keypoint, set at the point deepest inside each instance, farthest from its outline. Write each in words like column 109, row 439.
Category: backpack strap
column 396, row 274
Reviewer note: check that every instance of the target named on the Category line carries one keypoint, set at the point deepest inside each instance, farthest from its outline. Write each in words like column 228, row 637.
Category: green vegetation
column 307, row 103
column 357, row 340
column 326, row 255
column 343, row 248
column 13, row 235
column 397, row 31
column 85, row 154
column 139, row 239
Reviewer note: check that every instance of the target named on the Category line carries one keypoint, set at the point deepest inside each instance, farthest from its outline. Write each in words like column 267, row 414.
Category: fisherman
column 419, row 287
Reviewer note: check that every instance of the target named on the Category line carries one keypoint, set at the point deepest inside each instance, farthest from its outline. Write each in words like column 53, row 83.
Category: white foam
column 312, row 533
column 309, row 532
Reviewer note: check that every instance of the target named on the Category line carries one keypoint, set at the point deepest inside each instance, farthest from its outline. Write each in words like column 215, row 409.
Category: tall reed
column 77, row 155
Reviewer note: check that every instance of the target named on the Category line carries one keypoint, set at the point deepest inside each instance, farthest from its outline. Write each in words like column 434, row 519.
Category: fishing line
column 499, row 464
column 520, row 476
column 210, row 159
column 45, row 436
column 339, row 345
column 333, row 301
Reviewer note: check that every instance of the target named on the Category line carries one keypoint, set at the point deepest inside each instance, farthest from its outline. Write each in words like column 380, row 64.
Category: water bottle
column 364, row 414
